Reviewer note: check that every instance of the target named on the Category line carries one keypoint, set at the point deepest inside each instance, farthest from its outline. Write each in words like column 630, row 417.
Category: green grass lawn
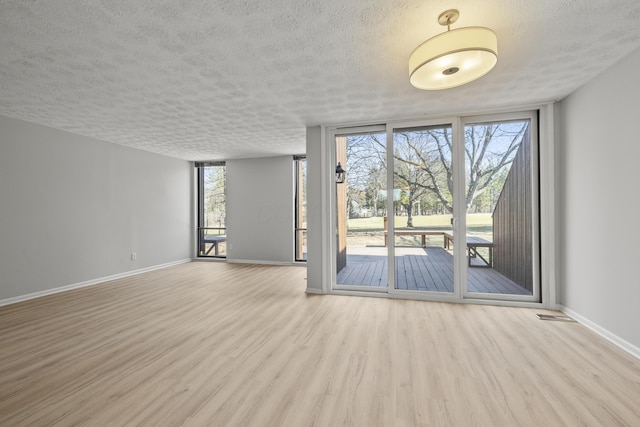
column 477, row 224
column 436, row 222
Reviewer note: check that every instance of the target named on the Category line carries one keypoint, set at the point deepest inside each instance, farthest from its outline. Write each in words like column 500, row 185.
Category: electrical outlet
column 134, row 256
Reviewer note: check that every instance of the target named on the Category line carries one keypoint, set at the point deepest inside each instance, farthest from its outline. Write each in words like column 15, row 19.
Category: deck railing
column 212, row 242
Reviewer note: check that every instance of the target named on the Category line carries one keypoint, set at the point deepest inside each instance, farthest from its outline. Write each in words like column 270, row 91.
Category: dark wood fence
column 512, row 221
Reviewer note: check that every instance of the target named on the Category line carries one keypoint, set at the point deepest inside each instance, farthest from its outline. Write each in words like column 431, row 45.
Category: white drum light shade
column 453, row 58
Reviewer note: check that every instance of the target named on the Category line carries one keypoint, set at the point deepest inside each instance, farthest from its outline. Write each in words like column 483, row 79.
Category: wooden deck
column 422, row 269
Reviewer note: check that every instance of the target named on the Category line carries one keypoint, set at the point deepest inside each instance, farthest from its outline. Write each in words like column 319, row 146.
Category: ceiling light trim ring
column 472, row 49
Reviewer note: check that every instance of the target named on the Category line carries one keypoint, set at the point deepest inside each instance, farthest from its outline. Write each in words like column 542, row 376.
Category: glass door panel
column 464, row 214
column 300, row 202
column 423, row 208
column 361, row 208
column 500, row 213
column 212, row 234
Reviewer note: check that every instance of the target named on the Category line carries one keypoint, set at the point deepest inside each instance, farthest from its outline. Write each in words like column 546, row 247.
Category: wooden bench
column 421, row 233
column 473, row 243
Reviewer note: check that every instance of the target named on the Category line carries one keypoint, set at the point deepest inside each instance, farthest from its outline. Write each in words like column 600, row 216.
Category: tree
column 375, row 184
column 423, row 167
column 214, row 196
column 489, row 150
column 409, row 177
column 366, row 175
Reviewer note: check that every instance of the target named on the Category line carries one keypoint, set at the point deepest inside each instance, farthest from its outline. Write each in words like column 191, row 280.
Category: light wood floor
column 208, row 344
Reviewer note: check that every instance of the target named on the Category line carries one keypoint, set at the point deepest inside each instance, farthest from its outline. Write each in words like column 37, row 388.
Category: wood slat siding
column 341, row 206
column 512, row 221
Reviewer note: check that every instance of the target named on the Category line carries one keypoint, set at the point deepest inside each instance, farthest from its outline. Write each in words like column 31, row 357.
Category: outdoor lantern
column 341, row 174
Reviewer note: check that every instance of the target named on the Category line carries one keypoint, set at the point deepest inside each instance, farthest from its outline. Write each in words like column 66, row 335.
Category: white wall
column 74, row 208
column 260, row 209
column 599, row 210
column 315, row 210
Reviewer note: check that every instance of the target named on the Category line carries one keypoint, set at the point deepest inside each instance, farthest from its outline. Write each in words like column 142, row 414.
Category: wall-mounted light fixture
column 453, row 58
column 341, row 174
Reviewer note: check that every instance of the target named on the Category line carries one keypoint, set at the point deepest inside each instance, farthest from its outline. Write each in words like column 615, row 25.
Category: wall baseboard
column 87, row 283
column 261, row 262
column 314, row 291
column 614, row 339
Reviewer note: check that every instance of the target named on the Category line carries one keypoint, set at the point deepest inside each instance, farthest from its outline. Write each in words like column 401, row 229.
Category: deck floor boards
column 422, row 269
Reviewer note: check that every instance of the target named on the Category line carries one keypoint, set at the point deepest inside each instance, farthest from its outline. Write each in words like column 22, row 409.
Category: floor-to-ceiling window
column 211, row 230
column 462, row 214
column 361, row 200
column 300, row 202
column 501, row 201
column 423, row 183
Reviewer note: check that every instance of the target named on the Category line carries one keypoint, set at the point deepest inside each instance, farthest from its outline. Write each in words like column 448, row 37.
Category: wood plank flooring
column 421, row 269
column 217, row 344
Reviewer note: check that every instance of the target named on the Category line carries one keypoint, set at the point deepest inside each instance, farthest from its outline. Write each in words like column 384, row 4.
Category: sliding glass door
column 445, row 210
column 361, row 209
column 501, row 200
column 423, row 191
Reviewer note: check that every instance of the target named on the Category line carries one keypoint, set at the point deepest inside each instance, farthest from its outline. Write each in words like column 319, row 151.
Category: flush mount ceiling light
column 453, row 58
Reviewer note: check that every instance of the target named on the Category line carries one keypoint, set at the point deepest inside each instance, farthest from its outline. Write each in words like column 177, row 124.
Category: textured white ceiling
column 212, row 79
